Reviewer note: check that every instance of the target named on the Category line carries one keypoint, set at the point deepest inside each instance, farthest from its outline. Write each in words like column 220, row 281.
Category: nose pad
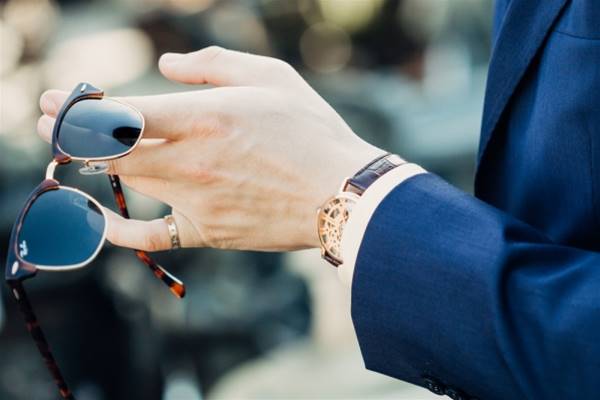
column 94, row 168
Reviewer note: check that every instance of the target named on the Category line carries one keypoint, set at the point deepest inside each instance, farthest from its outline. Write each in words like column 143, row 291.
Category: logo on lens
column 23, row 250
column 80, row 202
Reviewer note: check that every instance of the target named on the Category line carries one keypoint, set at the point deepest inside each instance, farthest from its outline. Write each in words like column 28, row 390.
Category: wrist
column 342, row 164
column 336, row 212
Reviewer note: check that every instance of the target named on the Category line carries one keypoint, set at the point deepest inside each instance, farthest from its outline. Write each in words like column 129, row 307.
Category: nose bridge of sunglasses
column 50, row 169
column 93, row 168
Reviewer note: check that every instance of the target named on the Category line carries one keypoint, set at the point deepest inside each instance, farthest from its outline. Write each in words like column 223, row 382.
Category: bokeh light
column 424, row 19
column 34, row 19
column 325, row 48
column 107, row 58
column 11, row 47
column 351, row 15
column 238, row 27
column 18, row 102
column 189, row 6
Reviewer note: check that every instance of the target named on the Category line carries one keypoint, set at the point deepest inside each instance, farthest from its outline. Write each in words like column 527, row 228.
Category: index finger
column 223, row 67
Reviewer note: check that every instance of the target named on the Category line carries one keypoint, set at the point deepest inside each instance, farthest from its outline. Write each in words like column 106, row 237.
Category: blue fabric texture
column 498, row 296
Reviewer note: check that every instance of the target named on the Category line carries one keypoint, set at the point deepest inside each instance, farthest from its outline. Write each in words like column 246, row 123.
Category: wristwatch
column 333, row 215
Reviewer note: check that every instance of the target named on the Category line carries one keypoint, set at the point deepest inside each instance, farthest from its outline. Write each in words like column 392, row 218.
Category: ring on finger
column 173, row 231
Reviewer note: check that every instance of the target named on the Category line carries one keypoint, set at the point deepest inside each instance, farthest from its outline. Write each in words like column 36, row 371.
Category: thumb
column 135, row 234
column 221, row 67
column 149, row 235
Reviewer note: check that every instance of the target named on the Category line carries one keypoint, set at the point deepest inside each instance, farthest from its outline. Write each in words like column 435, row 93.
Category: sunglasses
column 61, row 228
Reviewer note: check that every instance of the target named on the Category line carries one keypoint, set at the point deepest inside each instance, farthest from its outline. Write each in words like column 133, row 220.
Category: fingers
column 135, row 234
column 44, row 127
column 51, row 101
column 144, row 160
column 147, row 159
column 222, row 67
column 150, row 159
column 166, row 116
column 155, row 188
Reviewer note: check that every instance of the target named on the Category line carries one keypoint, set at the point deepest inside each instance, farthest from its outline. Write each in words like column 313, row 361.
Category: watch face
column 332, row 218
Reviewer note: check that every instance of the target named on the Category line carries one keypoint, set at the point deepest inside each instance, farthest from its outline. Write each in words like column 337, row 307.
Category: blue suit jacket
column 498, row 297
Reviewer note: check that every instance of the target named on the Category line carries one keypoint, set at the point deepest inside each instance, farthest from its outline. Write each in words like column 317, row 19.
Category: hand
column 244, row 165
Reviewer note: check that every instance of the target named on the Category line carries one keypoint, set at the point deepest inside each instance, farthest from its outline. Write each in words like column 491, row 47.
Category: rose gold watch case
column 331, row 219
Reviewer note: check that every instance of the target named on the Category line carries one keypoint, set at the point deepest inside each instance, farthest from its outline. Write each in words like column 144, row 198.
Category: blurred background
column 407, row 75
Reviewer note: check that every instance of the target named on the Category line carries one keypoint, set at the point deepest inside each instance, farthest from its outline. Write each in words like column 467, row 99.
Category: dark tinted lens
column 99, row 128
column 62, row 228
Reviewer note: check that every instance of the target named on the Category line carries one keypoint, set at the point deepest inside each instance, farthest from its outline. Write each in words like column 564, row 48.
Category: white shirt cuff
column 361, row 215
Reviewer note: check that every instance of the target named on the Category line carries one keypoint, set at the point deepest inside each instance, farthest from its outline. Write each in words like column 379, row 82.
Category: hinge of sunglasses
column 93, row 168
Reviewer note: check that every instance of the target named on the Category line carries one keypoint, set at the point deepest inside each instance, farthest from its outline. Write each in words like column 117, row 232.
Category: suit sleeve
column 354, row 230
column 454, row 295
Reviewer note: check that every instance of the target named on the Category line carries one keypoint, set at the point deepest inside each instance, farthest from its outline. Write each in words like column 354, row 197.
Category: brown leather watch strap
column 369, row 174
column 334, row 214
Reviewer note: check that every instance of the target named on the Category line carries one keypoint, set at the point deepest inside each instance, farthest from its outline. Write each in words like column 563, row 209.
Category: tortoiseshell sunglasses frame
column 17, row 270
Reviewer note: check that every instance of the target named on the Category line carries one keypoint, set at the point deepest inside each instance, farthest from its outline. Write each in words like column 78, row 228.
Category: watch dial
column 332, row 218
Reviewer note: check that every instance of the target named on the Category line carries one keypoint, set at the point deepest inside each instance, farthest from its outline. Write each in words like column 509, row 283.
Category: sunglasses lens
column 99, row 128
column 62, row 228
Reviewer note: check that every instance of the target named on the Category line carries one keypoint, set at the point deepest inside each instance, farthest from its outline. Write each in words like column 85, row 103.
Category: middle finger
column 146, row 159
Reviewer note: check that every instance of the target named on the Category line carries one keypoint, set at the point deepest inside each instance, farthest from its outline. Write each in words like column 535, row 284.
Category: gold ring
column 173, row 231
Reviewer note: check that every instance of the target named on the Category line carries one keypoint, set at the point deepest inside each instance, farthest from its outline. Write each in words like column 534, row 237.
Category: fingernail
column 47, row 105
column 45, row 124
column 44, row 128
column 170, row 58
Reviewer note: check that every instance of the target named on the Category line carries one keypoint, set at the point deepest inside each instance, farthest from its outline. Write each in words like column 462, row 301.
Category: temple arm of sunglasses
column 174, row 284
column 37, row 334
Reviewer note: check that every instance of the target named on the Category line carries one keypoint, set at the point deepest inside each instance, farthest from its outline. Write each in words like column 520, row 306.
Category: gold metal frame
column 116, row 156
column 50, row 175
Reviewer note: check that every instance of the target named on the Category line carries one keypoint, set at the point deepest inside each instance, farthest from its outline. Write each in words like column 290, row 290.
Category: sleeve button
column 455, row 394
column 434, row 386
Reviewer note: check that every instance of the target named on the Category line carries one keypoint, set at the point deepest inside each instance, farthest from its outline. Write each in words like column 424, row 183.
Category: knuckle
column 115, row 236
column 215, row 241
column 211, row 53
column 214, row 210
column 226, row 244
column 114, row 167
column 215, row 124
column 199, row 173
column 128, row 165
column 276, row 63
column 152, row 241
column 279, row 68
